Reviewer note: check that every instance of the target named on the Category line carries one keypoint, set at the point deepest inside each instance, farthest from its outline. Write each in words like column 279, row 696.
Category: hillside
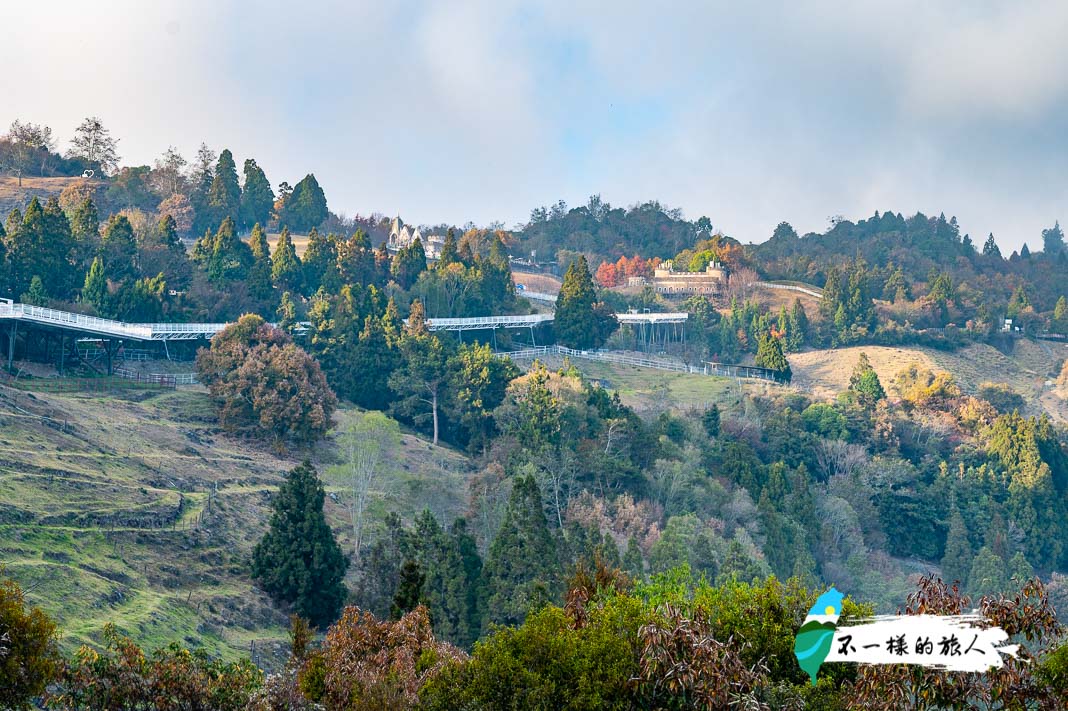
column 1027, row 370
column 135, row 509
column 12, row 196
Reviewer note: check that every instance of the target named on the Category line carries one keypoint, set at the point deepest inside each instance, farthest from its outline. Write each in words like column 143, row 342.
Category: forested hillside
column 601, row 516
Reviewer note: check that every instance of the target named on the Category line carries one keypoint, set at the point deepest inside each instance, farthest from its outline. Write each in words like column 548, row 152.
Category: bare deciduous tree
column 367, row 445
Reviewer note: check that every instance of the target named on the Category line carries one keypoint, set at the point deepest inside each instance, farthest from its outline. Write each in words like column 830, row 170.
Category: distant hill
column 12, row 196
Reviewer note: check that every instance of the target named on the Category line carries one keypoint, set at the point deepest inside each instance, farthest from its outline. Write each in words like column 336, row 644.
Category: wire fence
column 745, row 372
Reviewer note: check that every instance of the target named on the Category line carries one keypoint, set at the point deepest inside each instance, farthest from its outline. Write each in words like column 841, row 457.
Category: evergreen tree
column 259, row 274
column 579, row 321
column 224, row 195
column 472, row 567
column 420, row 380
column 40, row 244
column 1025, row 251
column 408, row 264
column 409, row 590
column 305, row 207
column 1020, row 570
column 85, row 229
column 229, row 258
column 95, row 290
column 257, row 198
column 202, row 178
column 36, row 296
column 990, row 247
column 320, row 264
column 769, row 355
column 1053, row 240
column 298, row 561
column 957, row 560
column 444, row 590
column 118, row 248
column 711, row 420
column 286, row 315
column 520, row 570
column 449, row 254
column 1059, row 323
column 865, row 384
column 987, row 576
column 632, row 559
column 798, row 326
column 285, row 265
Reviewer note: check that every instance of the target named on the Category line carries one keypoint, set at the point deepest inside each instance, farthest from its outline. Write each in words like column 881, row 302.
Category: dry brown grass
column 543, row 283
column 1028, row 370
column 12, row 196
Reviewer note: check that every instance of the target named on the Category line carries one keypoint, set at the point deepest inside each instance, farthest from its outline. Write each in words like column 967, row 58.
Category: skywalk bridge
column 80, row 327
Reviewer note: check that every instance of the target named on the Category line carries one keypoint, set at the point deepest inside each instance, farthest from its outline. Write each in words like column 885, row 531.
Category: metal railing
column 790, row 287
column 745, row 372
column 480, row 322
column 107, row 327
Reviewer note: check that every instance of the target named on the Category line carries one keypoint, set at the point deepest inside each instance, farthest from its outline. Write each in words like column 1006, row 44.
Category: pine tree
column 710, row 420
column 409, row 590
column 632, row 559
column 578, row 322
column 39, row 243
column 259, row 274
column 987, row 576
column 769, row 355
column 85, row 228
column 95, row 290
column 286, row 313
column 298, row 561
column 521, row 567
column 257, row 198
column 285, row 265
column 1025, row 251
column 224, row 195
column 957, row 560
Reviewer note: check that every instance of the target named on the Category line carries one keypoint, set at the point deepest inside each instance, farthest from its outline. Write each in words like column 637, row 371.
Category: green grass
column 75, row 467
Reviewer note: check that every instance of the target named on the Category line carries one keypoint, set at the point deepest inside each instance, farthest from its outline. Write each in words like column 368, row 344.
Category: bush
column 28, row 656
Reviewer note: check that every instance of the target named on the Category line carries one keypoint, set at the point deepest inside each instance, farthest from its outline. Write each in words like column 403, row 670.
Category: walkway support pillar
column 11, row 344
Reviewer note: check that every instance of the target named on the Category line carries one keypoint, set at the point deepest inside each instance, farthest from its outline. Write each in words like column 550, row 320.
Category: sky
column 480, row 111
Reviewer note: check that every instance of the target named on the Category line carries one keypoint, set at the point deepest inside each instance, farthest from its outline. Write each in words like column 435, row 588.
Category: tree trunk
column 434, row 409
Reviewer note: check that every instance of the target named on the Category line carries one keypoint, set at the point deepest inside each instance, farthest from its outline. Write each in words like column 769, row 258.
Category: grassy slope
column 1027, row 369
column 12, row 196
column 79, row 492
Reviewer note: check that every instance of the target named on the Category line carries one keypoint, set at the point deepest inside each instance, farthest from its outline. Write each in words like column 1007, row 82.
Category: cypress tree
column 520, row 569
column 285, row 265
column 957, row 560
column 579, row 322
column 769, row 355
column 230, row 257
column 798, row 326
column 472, row 567
column 119, row 248
column 320, row 264
column 298, row 560
column 409, row 589
column 306, row 206
column 408, row 264
column 36, row 295
column 259, row 274
column 444, row 590
column 224, row 195
column 95, row 290
column 990, row 247
column 257, row 198
column 864, row 382
column 448, row 255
